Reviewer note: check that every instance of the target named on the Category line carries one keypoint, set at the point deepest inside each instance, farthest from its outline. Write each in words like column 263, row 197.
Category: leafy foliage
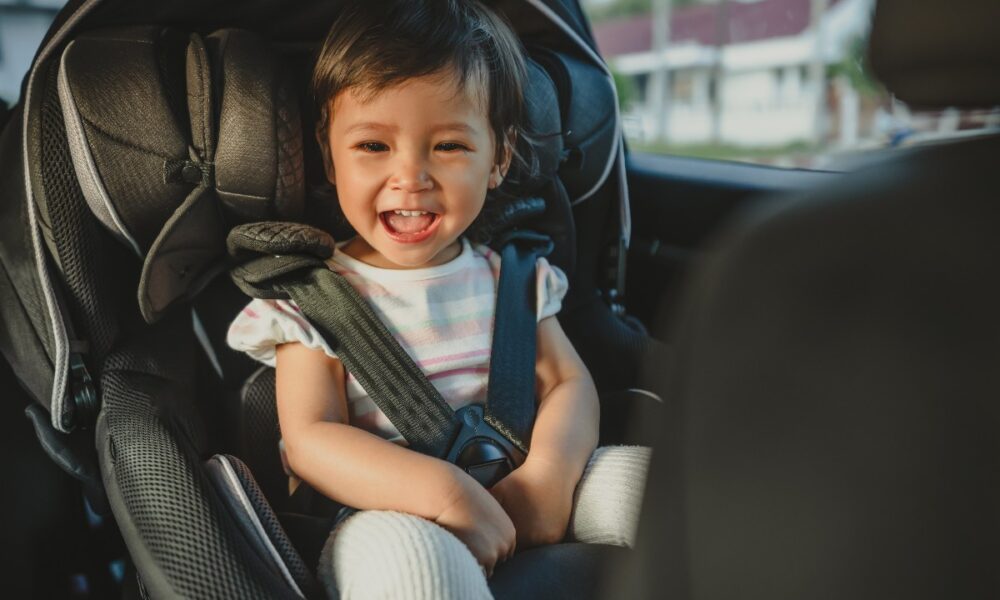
column 855, row 67
column 625, row 86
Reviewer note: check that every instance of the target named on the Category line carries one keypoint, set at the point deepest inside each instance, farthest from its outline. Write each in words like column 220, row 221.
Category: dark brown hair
column 375, row 44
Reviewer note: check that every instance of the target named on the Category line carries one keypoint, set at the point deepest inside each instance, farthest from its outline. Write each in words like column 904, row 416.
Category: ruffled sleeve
column 551, row 287
column 264, row 324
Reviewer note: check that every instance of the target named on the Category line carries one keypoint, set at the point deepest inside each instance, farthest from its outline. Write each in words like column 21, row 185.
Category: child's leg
column 608, row 498
column 386, row 554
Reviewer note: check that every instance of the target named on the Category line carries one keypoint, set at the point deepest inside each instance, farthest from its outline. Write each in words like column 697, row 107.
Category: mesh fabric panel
column 259, row 434
column 80, row 246
column 269, row 520
column 166, row 494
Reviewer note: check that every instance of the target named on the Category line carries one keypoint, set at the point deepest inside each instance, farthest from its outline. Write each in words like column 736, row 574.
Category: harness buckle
column 480, row 450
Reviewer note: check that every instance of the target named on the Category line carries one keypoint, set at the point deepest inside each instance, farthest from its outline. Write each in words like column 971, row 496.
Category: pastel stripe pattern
column 442, row 316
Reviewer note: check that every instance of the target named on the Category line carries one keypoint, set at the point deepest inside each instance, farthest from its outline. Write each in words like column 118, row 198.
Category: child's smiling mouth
column 409, row 226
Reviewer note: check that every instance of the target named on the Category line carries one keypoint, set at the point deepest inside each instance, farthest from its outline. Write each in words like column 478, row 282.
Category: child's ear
column 503, row 165
column 508, row 151
column 322, row 138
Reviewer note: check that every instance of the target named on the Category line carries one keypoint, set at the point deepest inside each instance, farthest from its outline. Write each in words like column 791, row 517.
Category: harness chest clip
column 480, row 450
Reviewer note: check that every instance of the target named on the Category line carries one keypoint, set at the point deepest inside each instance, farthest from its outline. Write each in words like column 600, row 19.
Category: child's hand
column 477, row 519
column 539, row 499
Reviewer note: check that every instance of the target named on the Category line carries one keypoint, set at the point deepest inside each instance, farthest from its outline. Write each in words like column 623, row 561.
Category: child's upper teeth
column 411, row 213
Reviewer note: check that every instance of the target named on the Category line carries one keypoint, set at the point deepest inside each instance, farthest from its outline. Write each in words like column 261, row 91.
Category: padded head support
column 571, row 149
column 933, row 55
column 543, row 150
column 258, row 161
column 586, row 100
column 174, row 141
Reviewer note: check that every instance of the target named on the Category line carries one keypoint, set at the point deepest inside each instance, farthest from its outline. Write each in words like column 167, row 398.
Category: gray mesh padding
column 150, row 438
column 259, row 434
column 84, row 260
column 292, row 563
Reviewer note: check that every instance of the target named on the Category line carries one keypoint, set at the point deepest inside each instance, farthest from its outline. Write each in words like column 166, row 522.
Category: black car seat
column 838, row 377
column 135, row 150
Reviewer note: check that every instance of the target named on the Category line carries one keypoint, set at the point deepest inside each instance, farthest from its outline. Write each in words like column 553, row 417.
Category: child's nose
column 412, row 176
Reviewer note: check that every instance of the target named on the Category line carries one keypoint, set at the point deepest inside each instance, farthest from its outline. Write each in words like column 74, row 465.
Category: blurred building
column 741, row 73
column 23, row 23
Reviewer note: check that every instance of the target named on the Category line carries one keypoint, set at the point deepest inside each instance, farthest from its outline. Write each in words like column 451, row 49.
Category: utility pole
column 817, row 66
column 659, row 79
column 718, row 68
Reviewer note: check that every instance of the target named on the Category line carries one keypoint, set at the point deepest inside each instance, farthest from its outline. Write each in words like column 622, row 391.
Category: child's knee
column 389, row 554
column 619, row 462
column 609, row 496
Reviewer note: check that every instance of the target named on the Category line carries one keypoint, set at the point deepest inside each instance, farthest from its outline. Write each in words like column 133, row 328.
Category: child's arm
column 362, row 470
column 568, row 418
column 538, row 495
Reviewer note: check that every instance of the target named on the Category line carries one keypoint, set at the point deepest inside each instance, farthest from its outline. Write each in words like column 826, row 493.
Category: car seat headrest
column 542, row 149
column 571, row 147
column 589, row 128
column 174, row 141
column 932, row 55
column 258, row 160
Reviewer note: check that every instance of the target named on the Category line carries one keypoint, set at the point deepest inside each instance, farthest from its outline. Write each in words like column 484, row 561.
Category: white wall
column 766, row 99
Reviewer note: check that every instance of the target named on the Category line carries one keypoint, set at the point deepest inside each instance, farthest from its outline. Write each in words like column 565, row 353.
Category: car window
column 23, row 23
column 777, row 82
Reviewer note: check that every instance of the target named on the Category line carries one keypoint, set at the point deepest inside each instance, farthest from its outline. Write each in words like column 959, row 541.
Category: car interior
column 810, row 353
column 834, row 431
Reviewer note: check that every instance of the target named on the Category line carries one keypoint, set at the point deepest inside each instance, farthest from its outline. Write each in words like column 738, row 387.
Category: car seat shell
column 74, row 278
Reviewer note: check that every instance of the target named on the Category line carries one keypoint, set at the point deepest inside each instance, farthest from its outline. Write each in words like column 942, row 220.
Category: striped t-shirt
column 442, row 316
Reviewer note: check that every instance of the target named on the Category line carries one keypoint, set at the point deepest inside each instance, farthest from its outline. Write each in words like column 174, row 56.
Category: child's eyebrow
column 373, row 125
column 463, row 127
column 370, row 125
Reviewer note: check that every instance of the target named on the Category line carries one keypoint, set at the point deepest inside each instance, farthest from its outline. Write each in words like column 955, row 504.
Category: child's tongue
column 408, row 224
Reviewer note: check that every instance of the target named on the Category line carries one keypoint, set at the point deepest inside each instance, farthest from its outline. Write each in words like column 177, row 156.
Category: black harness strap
column 384, row 369
column 510, row 404
column 367, row 349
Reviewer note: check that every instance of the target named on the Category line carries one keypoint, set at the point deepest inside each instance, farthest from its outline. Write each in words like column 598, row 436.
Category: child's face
column 411, row 166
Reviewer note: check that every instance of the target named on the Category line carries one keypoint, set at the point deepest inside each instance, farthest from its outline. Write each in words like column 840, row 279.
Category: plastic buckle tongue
column 85, row 404
column 480, row 450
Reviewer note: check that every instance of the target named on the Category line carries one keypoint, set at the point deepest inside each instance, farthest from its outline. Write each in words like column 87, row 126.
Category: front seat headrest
column 174, row 140
column 934, row 55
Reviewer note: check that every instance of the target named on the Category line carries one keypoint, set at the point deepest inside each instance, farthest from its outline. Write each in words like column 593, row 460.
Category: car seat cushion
column 210, row 131
column 258, row 161
column 246, row 504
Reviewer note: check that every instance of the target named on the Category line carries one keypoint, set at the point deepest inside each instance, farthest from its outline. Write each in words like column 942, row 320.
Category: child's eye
column 451, row 146
column 372, row 147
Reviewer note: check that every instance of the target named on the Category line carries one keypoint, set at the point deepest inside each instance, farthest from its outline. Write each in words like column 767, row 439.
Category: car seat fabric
column 151, row 442
column 258, row 435
column 165, row 206
column 246, row 503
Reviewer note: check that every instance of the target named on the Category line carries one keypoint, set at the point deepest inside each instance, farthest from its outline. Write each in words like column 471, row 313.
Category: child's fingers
column 513, row 549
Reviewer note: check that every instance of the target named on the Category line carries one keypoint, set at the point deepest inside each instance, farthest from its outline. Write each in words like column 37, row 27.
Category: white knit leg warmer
column 608, row 498
column 387, row 554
